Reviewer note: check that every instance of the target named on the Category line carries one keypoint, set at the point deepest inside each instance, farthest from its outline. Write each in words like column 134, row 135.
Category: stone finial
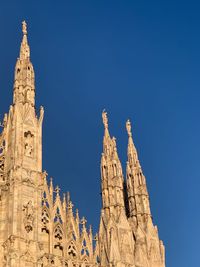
column 51, row 186
column 105, row 119
column 90, row 231
column 45, row 173
column 68, row 197
column 128, row 128
column 64, row 201
column 24, row 27
column 64, row 197
column 77, row 216
column 83, row 221
column 70, row 205
column 57, row 190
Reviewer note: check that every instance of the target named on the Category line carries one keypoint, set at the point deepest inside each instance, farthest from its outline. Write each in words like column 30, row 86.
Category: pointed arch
column 85, row 254
column 58, row 216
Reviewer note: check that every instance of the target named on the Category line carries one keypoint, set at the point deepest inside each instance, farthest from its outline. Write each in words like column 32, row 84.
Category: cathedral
column 40, row 228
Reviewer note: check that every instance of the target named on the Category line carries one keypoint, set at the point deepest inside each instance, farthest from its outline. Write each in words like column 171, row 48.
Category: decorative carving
column 28, row 210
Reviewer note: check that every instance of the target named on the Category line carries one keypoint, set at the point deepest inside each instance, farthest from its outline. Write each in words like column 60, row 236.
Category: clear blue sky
column 139, row 60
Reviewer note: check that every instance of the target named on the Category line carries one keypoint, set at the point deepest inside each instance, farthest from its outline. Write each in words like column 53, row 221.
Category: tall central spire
column 24, row 81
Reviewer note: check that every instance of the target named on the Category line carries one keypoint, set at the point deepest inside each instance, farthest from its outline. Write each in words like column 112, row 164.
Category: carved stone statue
column 28, row 210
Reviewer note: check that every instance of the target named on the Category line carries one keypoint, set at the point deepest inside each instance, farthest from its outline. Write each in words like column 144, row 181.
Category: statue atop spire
column 128, row 128
column 25, row 49
column 132, row 152
column 24, row 27
column 105, row 119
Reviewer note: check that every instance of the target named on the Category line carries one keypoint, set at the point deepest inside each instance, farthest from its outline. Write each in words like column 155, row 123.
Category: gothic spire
column 131, row 151
column 111, row 173
column 24, row 81
column 136, row 182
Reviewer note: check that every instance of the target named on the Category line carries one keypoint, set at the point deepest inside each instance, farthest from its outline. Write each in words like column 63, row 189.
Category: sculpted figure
column 28, row 216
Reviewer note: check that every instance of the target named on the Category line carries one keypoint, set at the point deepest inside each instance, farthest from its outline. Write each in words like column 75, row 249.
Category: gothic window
column 28, row 144
column 58, row 239
column 84, row 250
column 45, row 221
column 72, row 252
column 58, row 233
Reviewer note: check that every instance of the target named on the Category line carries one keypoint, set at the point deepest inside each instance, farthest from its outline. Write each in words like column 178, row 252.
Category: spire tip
column 128, row 128
column 105, row 118
column 24, row 27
